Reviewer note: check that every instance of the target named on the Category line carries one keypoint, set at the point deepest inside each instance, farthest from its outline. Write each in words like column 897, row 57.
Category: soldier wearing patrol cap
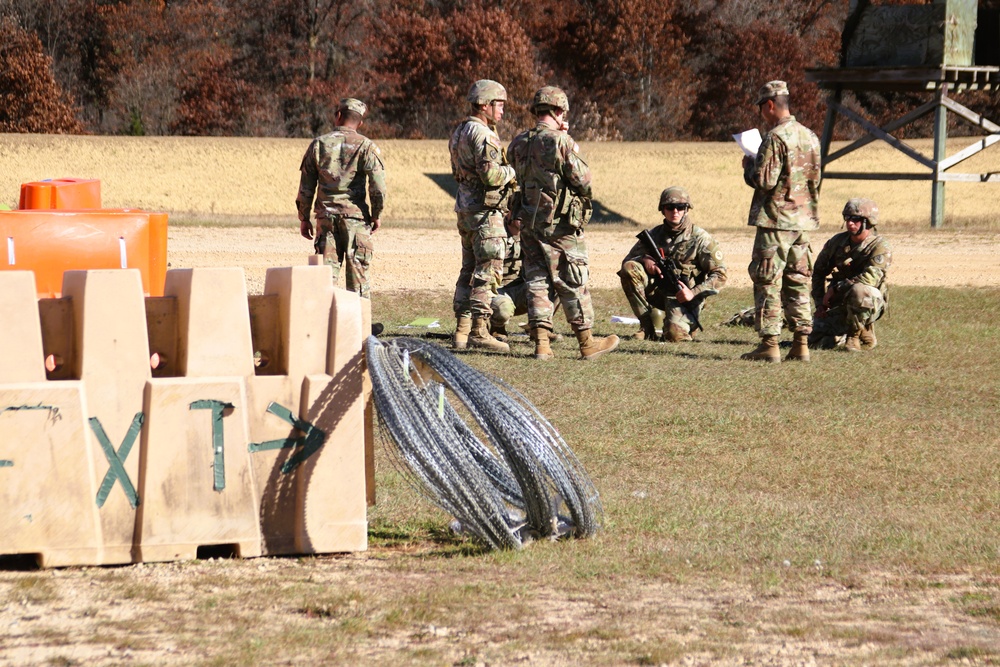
column 785, row 176
column 335, row 169
column 552, row 210
column 849, row 281
column 700, row 265
column 485, row 182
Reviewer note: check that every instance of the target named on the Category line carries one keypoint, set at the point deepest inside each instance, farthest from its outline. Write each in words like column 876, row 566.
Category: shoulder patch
column 879, row 259
column 492, row 140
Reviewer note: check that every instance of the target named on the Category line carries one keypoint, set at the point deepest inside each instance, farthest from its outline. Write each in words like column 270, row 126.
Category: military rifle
column 670, row 276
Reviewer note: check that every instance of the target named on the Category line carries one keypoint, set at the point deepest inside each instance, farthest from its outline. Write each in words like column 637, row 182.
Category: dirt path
column 430, row 258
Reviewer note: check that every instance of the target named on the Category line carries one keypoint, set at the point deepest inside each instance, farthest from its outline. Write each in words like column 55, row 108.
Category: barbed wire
column 524, row 484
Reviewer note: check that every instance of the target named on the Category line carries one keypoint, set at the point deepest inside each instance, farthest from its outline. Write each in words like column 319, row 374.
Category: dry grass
column 236, row 181
column 841, row 512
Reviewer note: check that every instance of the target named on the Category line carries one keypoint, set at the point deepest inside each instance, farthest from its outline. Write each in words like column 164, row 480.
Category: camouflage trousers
column 483, row 250
column 556, row 265
column 860, row 306
column 512, row 300
column 643, row 294
column 339, row 239
column 781, row 271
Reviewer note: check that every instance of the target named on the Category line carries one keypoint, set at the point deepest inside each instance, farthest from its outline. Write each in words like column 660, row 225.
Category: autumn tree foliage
column 30, row 98
column 429, row 60
column 633, row 69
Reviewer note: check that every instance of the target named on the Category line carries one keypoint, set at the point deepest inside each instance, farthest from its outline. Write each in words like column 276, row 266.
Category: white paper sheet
column 749, row 141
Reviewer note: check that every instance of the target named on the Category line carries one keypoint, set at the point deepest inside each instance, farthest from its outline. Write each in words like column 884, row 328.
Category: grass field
column 840, row 512
column 254, row 181
column 845, row 511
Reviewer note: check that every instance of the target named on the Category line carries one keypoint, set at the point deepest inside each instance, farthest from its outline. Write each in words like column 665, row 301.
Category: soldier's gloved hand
column 650, row 265
column 376, row 223
column 306, row 229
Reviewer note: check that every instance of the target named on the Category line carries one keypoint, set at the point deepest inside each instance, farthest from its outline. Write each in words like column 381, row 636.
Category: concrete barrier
column 200, row 418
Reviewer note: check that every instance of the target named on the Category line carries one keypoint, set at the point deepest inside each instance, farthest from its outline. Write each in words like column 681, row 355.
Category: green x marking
column 218, row 434
column 116, row 460
column 312, row 441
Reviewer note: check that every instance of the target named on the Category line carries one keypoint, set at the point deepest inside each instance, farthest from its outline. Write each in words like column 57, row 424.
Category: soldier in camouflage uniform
column 785, row 177
column 512, row 297
column 485, row 181
column 700, row 265
column 552, row 209
column 339, row 163
column 849, row 281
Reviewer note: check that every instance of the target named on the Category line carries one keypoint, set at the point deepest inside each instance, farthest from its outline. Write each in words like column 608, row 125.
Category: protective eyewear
column 854, row 218
column 675, row 207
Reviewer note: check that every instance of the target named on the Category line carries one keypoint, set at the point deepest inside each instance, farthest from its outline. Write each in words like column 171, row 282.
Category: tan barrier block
column 22, row 359
column 277, row 492
column 332, row 483
column 212, row 321
column 47, row 486
column 331, row 479
column 289, row 323
column 196, row 483
column 112, row 359
column 366, row 330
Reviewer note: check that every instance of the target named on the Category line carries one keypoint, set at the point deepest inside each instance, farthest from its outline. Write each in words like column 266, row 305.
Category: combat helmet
column 864, row 208
column 485, row 91
column 547, row 98
column 675, row 194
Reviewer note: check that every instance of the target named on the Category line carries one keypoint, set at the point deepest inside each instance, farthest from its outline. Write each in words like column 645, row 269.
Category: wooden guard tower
column 915, row 48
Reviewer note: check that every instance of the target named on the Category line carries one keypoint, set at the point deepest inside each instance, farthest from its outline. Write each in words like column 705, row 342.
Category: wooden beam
column 969, row 151
column 922, row 110
column 883, row 176
column 899, row 145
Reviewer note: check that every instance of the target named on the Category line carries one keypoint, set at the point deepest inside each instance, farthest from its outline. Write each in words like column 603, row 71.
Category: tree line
column 656, row 70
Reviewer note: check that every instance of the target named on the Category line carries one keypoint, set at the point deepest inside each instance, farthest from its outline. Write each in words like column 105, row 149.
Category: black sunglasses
column 854, row 218
column 675, row 207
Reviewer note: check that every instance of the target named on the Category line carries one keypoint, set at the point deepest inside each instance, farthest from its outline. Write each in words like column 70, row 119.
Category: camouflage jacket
column 554, row 179
column 480, row 166
column 702, row 265
column 338, row 163
column 845, row 264
column 785, row 178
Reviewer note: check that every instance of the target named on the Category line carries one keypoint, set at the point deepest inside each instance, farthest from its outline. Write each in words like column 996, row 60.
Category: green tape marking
column 218, row 435
column 116, row 460
column 311, row 442
column 53, row 415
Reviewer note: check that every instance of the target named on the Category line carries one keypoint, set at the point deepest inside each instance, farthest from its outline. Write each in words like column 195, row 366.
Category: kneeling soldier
column 849, row 281
column 670, row 311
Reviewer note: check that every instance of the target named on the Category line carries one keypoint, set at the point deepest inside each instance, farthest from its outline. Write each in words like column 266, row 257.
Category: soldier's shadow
column 602, row 214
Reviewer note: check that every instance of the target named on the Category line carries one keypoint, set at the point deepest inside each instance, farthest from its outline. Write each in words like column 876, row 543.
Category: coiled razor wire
column 526, row 484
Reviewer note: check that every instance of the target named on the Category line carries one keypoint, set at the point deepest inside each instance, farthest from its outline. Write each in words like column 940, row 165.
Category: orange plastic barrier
column 61, row 193
column 51, row 242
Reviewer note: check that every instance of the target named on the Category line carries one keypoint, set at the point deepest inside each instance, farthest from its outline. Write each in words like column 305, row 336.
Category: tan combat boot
column 541, row 337
column 766, row 351
column 646, row 331
column 462, row 329
column 480, row 337
column 867, row 336
column 853, row 343
column 592, row 348
column 677, row 334
column 800, row 348
column 499, row 332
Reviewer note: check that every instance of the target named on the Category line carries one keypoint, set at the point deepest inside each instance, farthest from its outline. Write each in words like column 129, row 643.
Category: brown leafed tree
column 747, row 58
column 427, row 63
column 628, row 57
column 30, row 98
